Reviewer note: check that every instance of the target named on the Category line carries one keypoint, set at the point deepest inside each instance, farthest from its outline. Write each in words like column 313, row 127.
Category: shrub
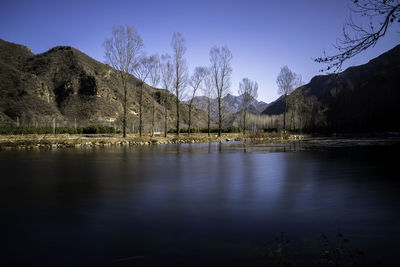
column 98, row 129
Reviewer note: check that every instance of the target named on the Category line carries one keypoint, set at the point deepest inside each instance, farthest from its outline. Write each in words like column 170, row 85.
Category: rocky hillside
column 68, row 85
column 360, row 99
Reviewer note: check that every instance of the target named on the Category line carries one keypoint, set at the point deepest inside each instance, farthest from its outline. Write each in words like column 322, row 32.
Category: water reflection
column 204, row 204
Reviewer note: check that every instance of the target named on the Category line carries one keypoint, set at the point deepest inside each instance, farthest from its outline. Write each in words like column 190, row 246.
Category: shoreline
column 50, row 141
column 67, row 141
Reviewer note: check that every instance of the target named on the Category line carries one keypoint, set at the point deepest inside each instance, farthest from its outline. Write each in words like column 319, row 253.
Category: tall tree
column 195, row 82
column 208, row 90
column 286, row 82
column 380, row 15
column 155, row 77
column 142, row 72
column 122, row 52
column 180, row 71
column 221, row 70
column 248, row 89
column 167, row 79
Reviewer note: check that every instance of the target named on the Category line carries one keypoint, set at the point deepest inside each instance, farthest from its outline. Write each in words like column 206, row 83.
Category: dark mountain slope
column 361, row 98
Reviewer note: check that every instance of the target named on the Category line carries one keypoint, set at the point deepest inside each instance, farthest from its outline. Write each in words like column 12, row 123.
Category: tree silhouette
column 358, row 37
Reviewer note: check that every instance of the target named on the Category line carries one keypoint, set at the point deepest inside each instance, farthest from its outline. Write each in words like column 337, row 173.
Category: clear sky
column 262, row 35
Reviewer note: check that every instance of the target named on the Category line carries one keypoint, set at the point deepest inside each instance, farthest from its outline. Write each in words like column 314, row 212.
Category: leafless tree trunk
column 290, row 100
column 208, row 116
column 165, row 115
column 249, row 92
column 195, row 82
column 141, row 109
column 153, row 113
column 208, row 90
column 142, row 72
column 180, row 71
column 154, row 81
column 167, row 78
column 221, row 70
column 122, row 52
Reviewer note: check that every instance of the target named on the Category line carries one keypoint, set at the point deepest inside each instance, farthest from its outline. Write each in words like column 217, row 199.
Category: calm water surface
column 194, row 205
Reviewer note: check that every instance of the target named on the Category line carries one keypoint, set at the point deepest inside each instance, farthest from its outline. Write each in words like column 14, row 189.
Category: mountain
column 360, row 99
column 66, row 84
column 231, row 105
column 235, row 103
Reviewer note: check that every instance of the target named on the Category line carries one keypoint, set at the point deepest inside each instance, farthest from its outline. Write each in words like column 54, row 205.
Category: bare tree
column 357, row 37
column 208, row 90
column 142, row 72
column 154, row 81
column 180, row 71
column 249, row 92
column 195, row 82
column 122, row 52
column 286, row 81
column 167, row 78
column 221, row 70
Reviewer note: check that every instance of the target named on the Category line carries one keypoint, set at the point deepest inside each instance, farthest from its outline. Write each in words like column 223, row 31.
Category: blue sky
column 262, row 35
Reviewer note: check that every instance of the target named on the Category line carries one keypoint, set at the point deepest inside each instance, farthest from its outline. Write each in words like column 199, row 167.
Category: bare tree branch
column 167, row 79
column 123, row 52
column 195, row 81
column 221, row 70
column 180, row 71
column 155, row 77
column 357, row 37
column 287, row 81
column 208, row 91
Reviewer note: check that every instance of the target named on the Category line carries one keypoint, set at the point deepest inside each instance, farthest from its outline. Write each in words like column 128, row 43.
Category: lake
column 197, row 204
